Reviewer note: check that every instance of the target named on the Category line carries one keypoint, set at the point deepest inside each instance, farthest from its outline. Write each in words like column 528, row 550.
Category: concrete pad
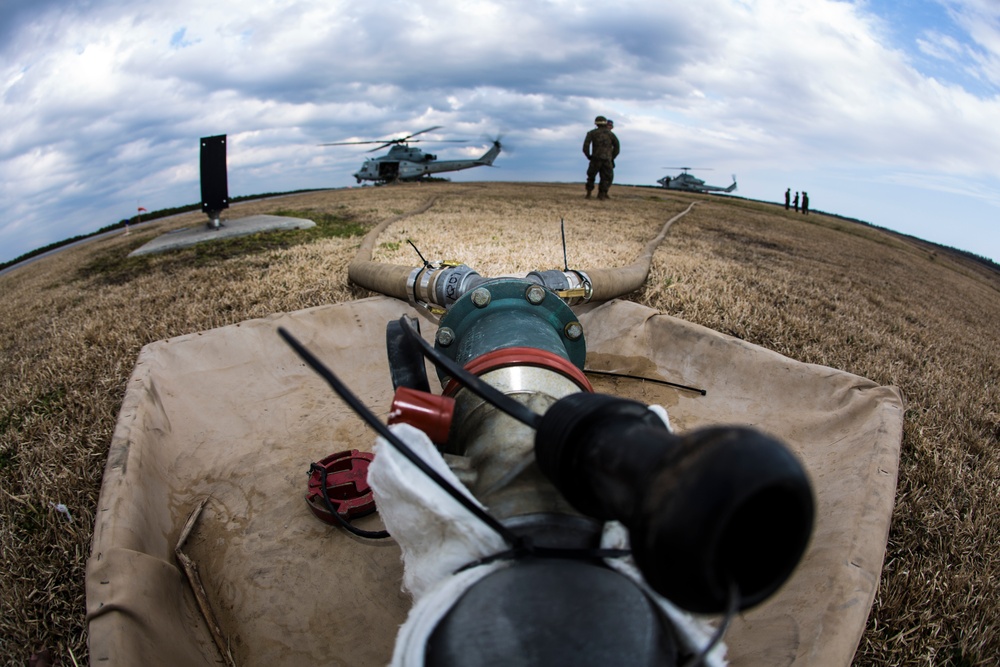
column 189, row 236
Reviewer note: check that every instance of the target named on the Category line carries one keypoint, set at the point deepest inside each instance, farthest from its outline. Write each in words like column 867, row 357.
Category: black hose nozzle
column 714, row 508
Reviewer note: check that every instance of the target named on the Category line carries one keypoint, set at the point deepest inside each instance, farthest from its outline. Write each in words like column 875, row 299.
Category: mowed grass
column 818, row 289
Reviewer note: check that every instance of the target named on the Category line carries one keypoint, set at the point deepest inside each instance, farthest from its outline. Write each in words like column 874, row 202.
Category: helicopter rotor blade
column 436, row 127
column 395, row 142
column 385, row 143
column 352, row 143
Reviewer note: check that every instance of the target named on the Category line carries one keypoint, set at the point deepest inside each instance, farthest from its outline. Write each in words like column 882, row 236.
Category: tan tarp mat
column 233, row 416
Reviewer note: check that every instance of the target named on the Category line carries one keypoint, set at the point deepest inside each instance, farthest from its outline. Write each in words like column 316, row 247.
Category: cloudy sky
column 883, row 110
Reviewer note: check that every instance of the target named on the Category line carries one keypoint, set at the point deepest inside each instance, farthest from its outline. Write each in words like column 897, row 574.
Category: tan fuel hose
column 391, row 279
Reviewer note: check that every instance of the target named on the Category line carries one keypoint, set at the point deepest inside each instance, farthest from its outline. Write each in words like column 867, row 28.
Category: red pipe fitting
column 431, row 413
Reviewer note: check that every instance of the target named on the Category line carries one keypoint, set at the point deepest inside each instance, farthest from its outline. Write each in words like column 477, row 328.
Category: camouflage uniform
column 601, row 147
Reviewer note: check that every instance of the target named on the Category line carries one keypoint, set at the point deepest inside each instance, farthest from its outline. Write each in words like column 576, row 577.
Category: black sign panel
column 214, row 182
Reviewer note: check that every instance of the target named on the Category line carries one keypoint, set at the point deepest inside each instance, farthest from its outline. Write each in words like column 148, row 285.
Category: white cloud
column 980, row 19
column 941, row 46
column 105, row 101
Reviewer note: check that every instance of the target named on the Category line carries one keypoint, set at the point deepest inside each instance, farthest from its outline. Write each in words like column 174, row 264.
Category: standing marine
column 601, row 147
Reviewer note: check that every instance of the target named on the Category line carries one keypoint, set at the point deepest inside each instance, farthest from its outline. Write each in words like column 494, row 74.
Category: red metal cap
column 431, row 413
column 346, row 484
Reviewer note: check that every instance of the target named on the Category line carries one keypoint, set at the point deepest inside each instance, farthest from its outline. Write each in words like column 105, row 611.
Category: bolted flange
column 573, row 330
column 535, row 294
column 445, row 337
column 519, row 314
column 481, row 297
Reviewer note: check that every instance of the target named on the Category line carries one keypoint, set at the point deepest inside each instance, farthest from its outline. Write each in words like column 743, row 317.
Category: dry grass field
column 817, row 289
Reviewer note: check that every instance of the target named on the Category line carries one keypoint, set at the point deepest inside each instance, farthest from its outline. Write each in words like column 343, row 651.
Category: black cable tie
column 562, row 228
column 347, row 525
column 645, row 379
column 732, row 607
column 413, row 245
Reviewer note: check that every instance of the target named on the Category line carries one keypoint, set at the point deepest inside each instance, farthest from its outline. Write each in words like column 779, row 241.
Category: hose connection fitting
column 435, row 287
column 573, row 287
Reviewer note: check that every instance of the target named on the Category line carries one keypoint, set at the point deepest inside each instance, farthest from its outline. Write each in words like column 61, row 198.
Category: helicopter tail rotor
column 497, row 141
column 491, row 154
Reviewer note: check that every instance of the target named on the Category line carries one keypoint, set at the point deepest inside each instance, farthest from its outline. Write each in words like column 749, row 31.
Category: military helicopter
column 685, row 181
column 403, row 163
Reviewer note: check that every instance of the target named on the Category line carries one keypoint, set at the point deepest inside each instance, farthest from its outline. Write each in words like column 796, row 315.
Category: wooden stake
column 194, row 578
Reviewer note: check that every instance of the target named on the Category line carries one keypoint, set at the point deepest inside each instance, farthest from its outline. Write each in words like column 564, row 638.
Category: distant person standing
column 805, row 203
column 601, row 147
column 611, row 126
column 788, row 198
column 796, row 202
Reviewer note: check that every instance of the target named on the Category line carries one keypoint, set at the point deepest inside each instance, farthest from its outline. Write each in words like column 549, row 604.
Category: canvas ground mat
column 234, row 418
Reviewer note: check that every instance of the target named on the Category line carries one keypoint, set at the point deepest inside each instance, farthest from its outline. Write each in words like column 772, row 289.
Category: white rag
column 438, row 536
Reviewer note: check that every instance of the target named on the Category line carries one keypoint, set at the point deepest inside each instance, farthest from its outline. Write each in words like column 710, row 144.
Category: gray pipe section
column 392, row 279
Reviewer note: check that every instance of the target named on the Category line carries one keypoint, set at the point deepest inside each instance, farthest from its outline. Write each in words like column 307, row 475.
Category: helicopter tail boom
column 486, row 160
column 491, row 154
